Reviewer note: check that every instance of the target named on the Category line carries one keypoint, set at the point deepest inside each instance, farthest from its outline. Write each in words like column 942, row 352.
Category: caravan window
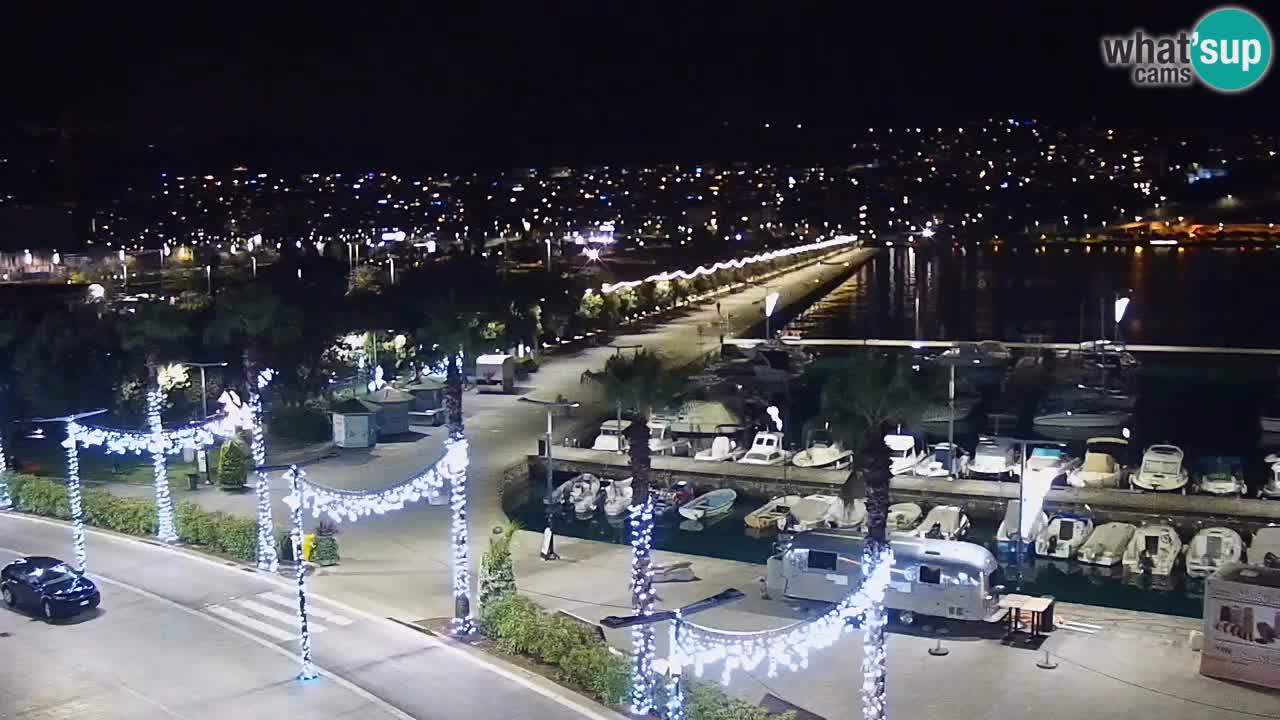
column 822, row 560
column 930, row 575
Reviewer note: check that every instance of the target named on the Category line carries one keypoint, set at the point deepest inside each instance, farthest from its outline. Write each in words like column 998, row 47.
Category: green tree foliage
column 497, row 571
column 66, row 363
column 869, row 390
column 233, row 465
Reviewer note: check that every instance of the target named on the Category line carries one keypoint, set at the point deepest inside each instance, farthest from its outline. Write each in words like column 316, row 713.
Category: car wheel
column 7, row 594
column 47, row 610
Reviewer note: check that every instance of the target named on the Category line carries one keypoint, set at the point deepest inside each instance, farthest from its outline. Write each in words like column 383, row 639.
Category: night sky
column 495, row 86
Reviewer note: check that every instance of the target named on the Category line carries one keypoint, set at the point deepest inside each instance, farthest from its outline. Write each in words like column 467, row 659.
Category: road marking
column 254, row 624
column 292, row 602
column 274, row 614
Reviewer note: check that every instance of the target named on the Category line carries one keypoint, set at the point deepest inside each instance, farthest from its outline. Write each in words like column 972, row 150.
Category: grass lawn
column 48, row 458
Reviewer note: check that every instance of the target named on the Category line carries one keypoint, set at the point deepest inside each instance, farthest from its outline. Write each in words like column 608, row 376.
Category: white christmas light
column 738, row 264
column 73, row 495
column 789, row 646
column 453, row 470
column 5, row 501
column 166, row 532
column 295, row 477
column 267, row 559
column 643, row 645
column 351, row 505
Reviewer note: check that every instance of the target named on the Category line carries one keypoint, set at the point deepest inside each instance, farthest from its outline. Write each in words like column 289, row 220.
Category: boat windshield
column 760, row 455
column 1162, row 466
column 656, row 433
column 1047, row 453
column 821, row 439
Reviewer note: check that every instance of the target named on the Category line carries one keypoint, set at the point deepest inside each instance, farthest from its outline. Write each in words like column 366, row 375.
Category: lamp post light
column 208, row 278
column 548, row 551
column 675, row 709
column 204, row 406
column 770, row 303
column 1120, row 306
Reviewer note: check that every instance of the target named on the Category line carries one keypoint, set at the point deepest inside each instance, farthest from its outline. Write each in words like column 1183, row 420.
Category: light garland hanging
column 295, row 477
column 73, row 495
column 788, row 646
column 166, row 531
column 351, row 505
column 837, row 241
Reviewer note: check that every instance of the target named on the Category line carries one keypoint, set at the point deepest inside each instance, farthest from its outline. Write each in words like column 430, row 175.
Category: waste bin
column 193, row 481
column 1046, row 618
column 308, row 545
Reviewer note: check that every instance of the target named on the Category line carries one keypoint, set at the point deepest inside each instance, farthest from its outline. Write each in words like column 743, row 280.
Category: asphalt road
column 180, row 636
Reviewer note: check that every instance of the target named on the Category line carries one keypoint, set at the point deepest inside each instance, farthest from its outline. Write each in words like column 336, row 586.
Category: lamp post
column 675, row 693
column 548, row 551
column 204, row 406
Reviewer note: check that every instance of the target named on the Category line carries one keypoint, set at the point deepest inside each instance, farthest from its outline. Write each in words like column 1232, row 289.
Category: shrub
column 497, row 572
column 704, row 701
column 233, row 465
column 325, row 551
column 600, row 672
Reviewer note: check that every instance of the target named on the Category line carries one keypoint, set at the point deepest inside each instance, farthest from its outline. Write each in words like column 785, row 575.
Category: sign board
column 1242, row 625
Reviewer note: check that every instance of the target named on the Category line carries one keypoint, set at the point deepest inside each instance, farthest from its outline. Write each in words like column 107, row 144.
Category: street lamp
column 675, row 695
column 204, row 405
column 548, row 551
column 1121, row 305
column 770, row 303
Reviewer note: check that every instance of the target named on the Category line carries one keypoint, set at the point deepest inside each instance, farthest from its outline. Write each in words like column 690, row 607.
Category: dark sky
column 571, row 81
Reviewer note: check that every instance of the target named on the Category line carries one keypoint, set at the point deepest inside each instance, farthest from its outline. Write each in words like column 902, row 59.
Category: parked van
column 938, row 578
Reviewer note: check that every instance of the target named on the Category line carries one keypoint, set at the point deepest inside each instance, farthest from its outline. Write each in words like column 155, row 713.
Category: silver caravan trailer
column 940, row 578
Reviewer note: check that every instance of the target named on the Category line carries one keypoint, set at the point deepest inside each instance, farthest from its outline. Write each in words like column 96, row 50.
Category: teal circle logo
column 1231, row 49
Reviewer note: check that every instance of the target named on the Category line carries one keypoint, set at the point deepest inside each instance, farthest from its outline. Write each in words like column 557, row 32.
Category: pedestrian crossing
column 274, row 615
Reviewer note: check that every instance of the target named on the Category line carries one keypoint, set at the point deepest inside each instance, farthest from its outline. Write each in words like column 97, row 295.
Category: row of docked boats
column 1163, row 467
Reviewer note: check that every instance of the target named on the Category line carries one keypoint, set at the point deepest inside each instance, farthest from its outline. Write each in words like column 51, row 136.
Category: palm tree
column 874, row 468
column 867, row 391
column 642, row 384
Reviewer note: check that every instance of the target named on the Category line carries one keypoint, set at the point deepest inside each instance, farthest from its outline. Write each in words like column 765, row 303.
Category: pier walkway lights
column 770, row 303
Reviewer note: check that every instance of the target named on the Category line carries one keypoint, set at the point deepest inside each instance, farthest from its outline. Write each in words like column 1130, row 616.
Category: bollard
column 938, row 650
column 1046, row 663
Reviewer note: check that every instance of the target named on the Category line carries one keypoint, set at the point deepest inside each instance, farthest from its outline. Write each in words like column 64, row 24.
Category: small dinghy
column 813, row 511
column 580, row 492
column 944, row 522
column 1007, row 535
column 1063, row 536
column 617, row 497
column 1212, row 548
column 666, row 499
column 903, row 517
column 767, row 516
column 709, row 505
column 1264, row 551
column 1106, row 545
column 1154, row 549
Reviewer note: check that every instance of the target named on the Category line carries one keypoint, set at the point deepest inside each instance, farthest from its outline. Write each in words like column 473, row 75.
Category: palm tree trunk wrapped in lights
column 456, row 470
column 876, row 476
column 254, row 382
column 166, row 531
column 5, row 501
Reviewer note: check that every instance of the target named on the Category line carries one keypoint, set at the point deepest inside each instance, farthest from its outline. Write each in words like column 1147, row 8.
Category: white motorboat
column 944, row 460
column 709, row 505
column 1106, row 544
column 824, row 451
column 940, row 413
column 580, row 492
column 1264, row 551
column 703, row 418
column 767, row 516
column 813, row 511
column 1045, row 465
column 1153, row 549
column 903, row 517
column 1161, row 470
column 1080, row 415
column 946, row 522
column 1063, row 536
column 905, row 452
column 1100, row 469
column 1271, row 487
column 613, row 437
column 1220, row 475
column 723, row 449
column 766, row 449
column 994, row 457
column 1008, row 535
column 617, row 497
column 1212, row 548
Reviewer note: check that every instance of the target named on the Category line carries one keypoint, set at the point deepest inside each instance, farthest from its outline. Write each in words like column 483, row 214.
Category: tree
column 233, row 465
column 868, row 391
column 642, row 384
column 874, row 468
column 497, row 571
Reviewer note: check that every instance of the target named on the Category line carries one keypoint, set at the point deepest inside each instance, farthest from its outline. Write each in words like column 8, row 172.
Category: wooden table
column 1018, row 604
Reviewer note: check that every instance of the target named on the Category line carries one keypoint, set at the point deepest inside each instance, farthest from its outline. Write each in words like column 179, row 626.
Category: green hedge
column 520, row 627
column 220, row 532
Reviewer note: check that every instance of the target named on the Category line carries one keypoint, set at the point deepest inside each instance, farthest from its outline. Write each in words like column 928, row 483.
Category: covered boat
column 903, row 517
column 1101, row 467
column 767, row 516
column 945, row 522
column 813, row 511
column 1153, row 549
column 1063, row 536
column 708, row 505
column 1106, row 545
column 1211, row 548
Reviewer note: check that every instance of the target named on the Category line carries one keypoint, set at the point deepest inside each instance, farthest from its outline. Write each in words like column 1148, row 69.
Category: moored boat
column 1211, row 548
column 1162, row 469
column 903, row 517
column 1153, row 549
column 708, row 505
column 945, row 522
column 1106, row 544
column 1101, row 467
column 1015, row 529
column 1063, row 536
column 767, row 516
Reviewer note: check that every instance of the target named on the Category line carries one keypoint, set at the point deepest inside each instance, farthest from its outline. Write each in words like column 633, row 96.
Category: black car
column 47, row 585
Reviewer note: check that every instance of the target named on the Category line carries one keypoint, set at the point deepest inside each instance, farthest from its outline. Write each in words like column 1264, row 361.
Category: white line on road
column 254, row 624
column 274, row 614
column 292, row 602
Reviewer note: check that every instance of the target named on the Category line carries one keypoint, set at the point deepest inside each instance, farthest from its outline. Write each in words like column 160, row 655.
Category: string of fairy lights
column 267, row 559
column 166, row 529
column 5, row 501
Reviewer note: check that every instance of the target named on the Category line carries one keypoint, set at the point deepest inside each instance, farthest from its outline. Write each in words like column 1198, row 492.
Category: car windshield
column 55, row 575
